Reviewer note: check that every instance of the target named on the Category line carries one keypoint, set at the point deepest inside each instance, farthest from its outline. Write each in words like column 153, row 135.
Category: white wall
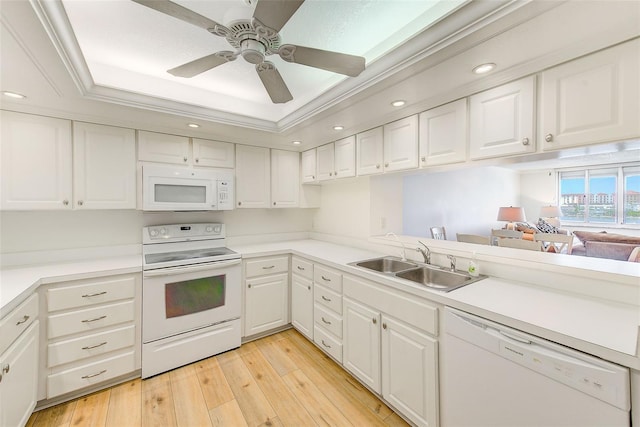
column 345, row 208
column 537, row 189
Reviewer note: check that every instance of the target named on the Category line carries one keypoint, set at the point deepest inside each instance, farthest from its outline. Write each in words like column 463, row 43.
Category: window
column 600, row 195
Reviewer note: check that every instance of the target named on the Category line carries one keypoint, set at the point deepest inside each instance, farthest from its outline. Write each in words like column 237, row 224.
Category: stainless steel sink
column 385, row 264
column 439, row 279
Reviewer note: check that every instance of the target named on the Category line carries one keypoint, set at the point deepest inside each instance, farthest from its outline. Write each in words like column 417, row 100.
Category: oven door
column 181, row 299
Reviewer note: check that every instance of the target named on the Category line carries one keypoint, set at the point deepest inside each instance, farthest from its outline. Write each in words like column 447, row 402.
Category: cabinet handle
column 239, row 203
column 249, row 286
column 65, row 202
column 94, row 295
column 89, row 347
column 330, row 173
column 335, row 174
column 374, row 320
column 378, row 166
column 313, row 177
column 326, row 321
column 548, row 137
column 24, row 319
column 300, row 268
column 325, row 279
column 325, row 344
column 386, row 165
column 94, row 320
column 384, row 326
column 424, row 159
column 84, row 377
column 274, row 203
column 525, row 141
column 268, row 267
column 326, row 299
column 6, row 368
column 197, row 160
column 80, row 203
column 309, row 287
column 184, row 159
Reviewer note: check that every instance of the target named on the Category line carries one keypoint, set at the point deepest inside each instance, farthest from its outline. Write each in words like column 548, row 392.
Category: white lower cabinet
column 19, row 363
column 327, row 310
column 390, row 345
column 302, row 296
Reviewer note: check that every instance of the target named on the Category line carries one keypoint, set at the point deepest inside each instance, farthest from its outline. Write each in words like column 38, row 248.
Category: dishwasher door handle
column 514, row 337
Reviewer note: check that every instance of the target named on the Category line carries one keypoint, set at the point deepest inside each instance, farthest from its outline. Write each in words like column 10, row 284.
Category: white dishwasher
column 492, row 375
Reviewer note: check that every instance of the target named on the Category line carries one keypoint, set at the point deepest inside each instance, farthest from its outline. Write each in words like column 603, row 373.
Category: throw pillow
column 545, row 227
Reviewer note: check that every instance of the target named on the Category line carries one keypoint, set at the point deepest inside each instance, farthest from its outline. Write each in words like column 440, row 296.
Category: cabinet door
column 104, row 165
column 370, row 152
column 401, row 144
column 215, row 154
column 361, row 343
column 593, row 99
column 253, row 177
column 285, row 178
column 443, row 134
column 326, row 165
column 410, row 371
column 501, row 120
column 36, row 162
column 345, row 157
column 308, row 160
column 160, row 147
column 267, row 303
column 19, row 382
column 302, row 305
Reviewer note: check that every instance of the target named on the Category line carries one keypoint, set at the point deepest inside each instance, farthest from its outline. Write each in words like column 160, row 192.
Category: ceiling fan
column 254, row 40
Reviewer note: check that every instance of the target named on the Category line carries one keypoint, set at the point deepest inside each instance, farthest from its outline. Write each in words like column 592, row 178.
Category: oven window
column 180, row 193
column 193, row 296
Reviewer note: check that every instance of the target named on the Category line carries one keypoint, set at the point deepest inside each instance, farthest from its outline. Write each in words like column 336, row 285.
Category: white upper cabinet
column 104, row 165
column 285, row 178
column 36, row 162
column 345, row 157
column 591, row 100
column 370, row 152
column 163, row 148
column 502, row 120
column 253, row 177
column 401, row 144
column 325, row 156
column 308, row 168
column 215, row 154
column 443, row 134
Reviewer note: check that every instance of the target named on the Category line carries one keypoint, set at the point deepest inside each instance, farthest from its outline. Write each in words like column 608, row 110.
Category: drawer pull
column 84, row 377
column 326, row 321
column 94, row 320
column 325, row 344
column 325, row 279
column 268, row 268
column 94, row 295
column 89, row 347
column 309, row 287
column 24, row 319
column 6, row 368
column 326, row 299
column 300, row 268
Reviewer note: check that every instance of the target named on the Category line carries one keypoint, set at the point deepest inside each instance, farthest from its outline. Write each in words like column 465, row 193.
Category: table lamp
column 511, row 214
column 551, row 214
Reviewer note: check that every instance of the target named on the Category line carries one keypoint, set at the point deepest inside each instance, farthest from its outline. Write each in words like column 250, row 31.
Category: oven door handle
column 190, row 268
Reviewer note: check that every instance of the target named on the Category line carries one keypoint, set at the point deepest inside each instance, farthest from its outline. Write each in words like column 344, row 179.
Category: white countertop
column 606, row 329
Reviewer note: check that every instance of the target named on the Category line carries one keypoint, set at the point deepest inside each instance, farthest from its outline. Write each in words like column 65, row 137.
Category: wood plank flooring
column 280, row 380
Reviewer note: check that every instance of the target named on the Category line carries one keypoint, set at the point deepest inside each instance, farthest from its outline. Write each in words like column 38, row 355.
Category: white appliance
column 179, row 188
column 492, row 375
column 191, row 295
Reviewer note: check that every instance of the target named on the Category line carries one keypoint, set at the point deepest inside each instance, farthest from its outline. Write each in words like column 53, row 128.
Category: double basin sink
column 427, row 275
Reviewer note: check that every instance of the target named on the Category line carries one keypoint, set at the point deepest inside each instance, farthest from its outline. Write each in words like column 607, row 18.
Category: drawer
column 326, row 342
column 328, row 277
column 90, row 345
column 90, row 374
column 90, row 319
column 302, row 267
column 91, row 292
column 327, row 298
column 263, row 266
column 17, row 321
column 328, row 320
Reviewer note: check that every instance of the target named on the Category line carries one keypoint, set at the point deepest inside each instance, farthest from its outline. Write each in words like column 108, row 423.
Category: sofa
column 607, row 245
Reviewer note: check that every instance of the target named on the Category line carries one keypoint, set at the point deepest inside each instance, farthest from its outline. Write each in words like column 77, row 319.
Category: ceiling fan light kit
column 256, row 39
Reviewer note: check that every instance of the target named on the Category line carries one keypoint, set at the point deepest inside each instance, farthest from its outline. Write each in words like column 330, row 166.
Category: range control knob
column 208, row 229
column 153, row 232
column 163, row 231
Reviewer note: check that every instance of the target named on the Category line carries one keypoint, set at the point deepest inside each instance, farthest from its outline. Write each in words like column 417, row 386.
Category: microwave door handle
column 190, row 268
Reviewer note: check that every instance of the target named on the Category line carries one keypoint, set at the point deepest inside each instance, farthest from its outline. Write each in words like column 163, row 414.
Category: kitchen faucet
column 404, row 250
column 426, row 254
column 453, row 262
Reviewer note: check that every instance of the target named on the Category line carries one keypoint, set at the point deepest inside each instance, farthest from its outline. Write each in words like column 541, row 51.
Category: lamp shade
column 550, row 212
column 511, row 214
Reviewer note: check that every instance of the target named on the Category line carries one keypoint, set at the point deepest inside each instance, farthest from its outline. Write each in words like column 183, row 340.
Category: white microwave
column 176, row 188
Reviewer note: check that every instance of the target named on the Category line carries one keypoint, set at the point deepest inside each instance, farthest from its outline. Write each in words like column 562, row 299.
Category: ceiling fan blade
column 173, row 9
column 275, row 13
column 203, row 64
column 341, row 63
column 273, row 83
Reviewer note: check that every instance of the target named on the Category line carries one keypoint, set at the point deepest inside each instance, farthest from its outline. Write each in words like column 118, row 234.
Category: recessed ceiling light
column 398, row 103
column 296, row 142
column 338, row 127
column 484, row 68
column 14, row 95
column 193, row 125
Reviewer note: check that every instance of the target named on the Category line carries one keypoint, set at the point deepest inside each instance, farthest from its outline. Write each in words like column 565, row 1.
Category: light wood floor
column 280, row 380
